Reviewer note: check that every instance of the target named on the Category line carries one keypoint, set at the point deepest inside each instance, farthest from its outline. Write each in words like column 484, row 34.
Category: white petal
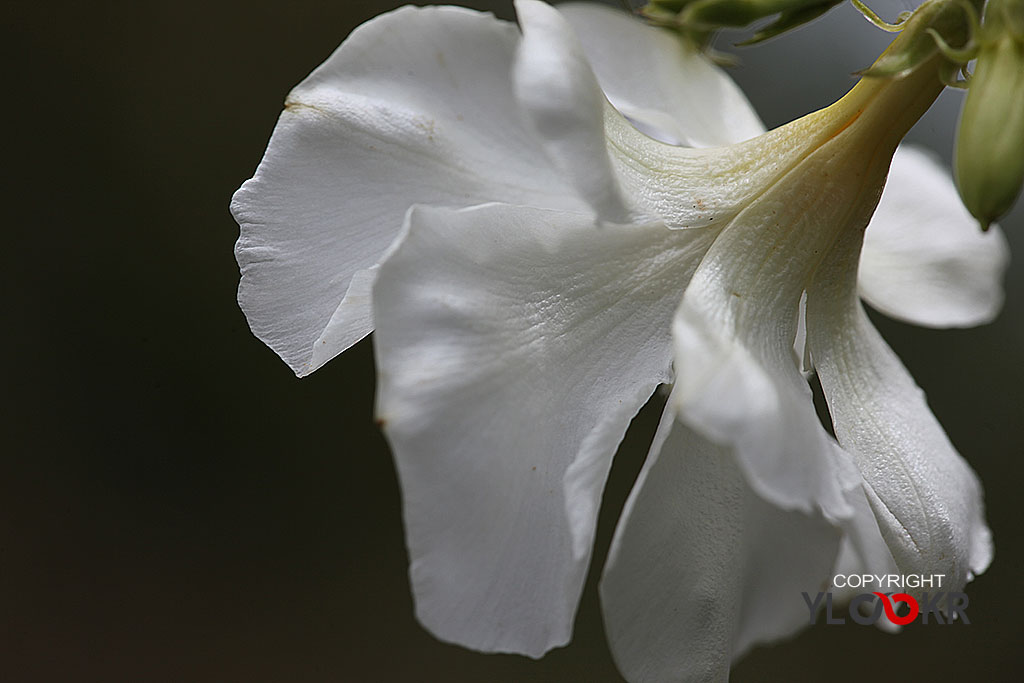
column 656, row 79
column 926, row 499
column 925, row 260
column 352, row 320
column 702, row 568
column 863, row 550
column 562, row 99
column 738, row 382
column 761, row 408
column 801, row 353
column 514, row 347
column 415, row 106
column 688, row 187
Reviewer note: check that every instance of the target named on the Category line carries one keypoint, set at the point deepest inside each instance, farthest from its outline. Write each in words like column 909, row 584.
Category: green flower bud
column 990, row 142
column 666, row 6
column 739, row 13
column 702, row 17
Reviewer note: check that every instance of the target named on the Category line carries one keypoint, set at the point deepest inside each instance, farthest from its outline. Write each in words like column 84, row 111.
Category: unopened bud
column 990, row 141
column 739, row 13
column 705, row 16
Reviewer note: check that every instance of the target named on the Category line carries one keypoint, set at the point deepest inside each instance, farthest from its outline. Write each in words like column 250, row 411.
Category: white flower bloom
column 535, row 265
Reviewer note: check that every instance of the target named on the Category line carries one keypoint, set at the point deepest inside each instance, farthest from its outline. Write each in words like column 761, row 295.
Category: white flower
column 523, row 250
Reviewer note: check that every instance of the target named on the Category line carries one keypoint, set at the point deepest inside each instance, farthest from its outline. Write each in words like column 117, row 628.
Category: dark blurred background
column 176, row 506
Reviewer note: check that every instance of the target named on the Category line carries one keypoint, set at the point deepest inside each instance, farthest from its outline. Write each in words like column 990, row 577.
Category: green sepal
column 877, row 21
column 949, row 19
